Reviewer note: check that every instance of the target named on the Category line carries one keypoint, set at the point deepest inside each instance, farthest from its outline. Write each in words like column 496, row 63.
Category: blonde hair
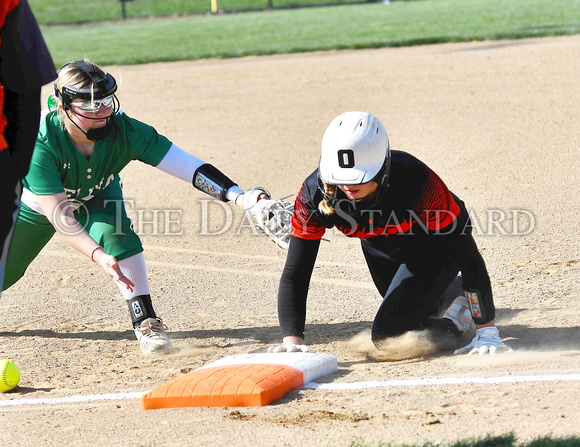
column 71, row 75
column 325, row 206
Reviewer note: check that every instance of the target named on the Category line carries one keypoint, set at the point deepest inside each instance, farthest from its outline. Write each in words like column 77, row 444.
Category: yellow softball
column 9, row 375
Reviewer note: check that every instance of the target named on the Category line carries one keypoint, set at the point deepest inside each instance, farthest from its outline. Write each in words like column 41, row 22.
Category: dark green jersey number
column 346, row 158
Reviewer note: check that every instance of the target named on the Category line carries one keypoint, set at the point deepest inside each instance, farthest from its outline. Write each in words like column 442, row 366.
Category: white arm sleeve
column 180, row 164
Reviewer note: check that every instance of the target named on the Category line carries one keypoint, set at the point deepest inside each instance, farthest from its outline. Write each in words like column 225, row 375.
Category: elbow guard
column 212, row 181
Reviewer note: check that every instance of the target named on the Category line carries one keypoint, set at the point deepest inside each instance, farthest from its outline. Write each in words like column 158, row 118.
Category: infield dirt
column 498, row 121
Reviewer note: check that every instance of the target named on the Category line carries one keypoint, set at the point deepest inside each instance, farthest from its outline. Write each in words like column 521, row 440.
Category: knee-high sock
column 134, row 269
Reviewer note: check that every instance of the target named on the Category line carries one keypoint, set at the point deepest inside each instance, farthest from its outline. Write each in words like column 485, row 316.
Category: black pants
column 9, row 204
column 22, row 111
column 412, row 292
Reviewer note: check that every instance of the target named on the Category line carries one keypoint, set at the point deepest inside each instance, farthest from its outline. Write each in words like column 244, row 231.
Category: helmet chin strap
column 94, row 134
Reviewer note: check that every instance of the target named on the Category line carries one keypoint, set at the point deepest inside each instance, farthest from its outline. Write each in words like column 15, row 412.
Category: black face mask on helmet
column 101, row 87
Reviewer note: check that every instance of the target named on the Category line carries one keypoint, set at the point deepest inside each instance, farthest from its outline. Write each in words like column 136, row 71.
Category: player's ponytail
column 67, row 75
column 325, row 206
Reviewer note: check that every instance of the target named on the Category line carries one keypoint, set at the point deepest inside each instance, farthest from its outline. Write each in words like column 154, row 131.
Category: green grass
column 54, row 12
column 507, row 440
column 311, row 29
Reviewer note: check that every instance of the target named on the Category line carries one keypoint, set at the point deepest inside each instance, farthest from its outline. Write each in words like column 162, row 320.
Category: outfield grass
column 311, row 29
column 55, row 12
column 507, row 440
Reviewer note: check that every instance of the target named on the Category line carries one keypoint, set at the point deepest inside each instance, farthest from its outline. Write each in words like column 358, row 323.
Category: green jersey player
column 73, row 188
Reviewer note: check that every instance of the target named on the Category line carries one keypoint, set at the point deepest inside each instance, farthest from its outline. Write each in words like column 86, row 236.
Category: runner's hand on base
column 486, row 340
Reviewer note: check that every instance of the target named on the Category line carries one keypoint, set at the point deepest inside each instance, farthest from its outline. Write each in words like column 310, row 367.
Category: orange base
column 246, row 385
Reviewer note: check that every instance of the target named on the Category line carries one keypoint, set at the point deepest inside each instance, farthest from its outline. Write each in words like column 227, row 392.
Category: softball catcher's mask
column 99, row 91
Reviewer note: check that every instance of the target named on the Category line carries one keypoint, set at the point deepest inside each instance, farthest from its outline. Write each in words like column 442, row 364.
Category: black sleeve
column 22, row 111
column 25, row 62
column 8, row 184
column 25, row 66
column 476, row 282
column 294, row 285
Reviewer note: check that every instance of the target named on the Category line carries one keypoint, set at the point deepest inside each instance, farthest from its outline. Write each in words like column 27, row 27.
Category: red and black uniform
column 25, row 66
column 416, row 237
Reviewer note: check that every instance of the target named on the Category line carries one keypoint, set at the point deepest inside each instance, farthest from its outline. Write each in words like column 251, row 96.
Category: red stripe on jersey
column 304, row 225
column 437, row 208
column 6, row 7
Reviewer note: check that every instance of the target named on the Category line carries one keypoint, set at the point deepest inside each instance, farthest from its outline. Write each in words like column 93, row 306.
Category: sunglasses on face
column 94, row 106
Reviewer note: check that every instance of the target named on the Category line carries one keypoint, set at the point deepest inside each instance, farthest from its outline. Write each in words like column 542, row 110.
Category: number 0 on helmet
column 355, row 150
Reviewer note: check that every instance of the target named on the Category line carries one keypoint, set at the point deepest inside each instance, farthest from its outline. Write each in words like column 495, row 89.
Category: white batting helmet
column 355, row 149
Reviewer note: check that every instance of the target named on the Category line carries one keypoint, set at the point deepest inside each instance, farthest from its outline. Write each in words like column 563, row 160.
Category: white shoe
column 460, row 314
column 151, row 336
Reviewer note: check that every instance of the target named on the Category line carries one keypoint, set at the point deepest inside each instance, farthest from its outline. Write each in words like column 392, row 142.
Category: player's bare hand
column 111, row 267
column 486, row 341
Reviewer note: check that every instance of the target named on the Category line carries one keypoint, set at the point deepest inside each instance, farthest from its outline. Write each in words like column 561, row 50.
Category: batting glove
column 288, row 348
column 486, row 340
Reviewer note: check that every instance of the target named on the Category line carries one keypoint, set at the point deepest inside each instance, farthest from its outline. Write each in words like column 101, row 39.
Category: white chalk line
column 427, row 381
column 71, row 399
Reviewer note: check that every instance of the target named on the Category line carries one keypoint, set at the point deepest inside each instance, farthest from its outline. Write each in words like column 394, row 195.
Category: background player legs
column 10, row 202
column 31, row 233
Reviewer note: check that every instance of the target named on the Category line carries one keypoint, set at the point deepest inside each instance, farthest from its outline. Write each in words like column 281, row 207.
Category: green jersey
column 57, row 166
